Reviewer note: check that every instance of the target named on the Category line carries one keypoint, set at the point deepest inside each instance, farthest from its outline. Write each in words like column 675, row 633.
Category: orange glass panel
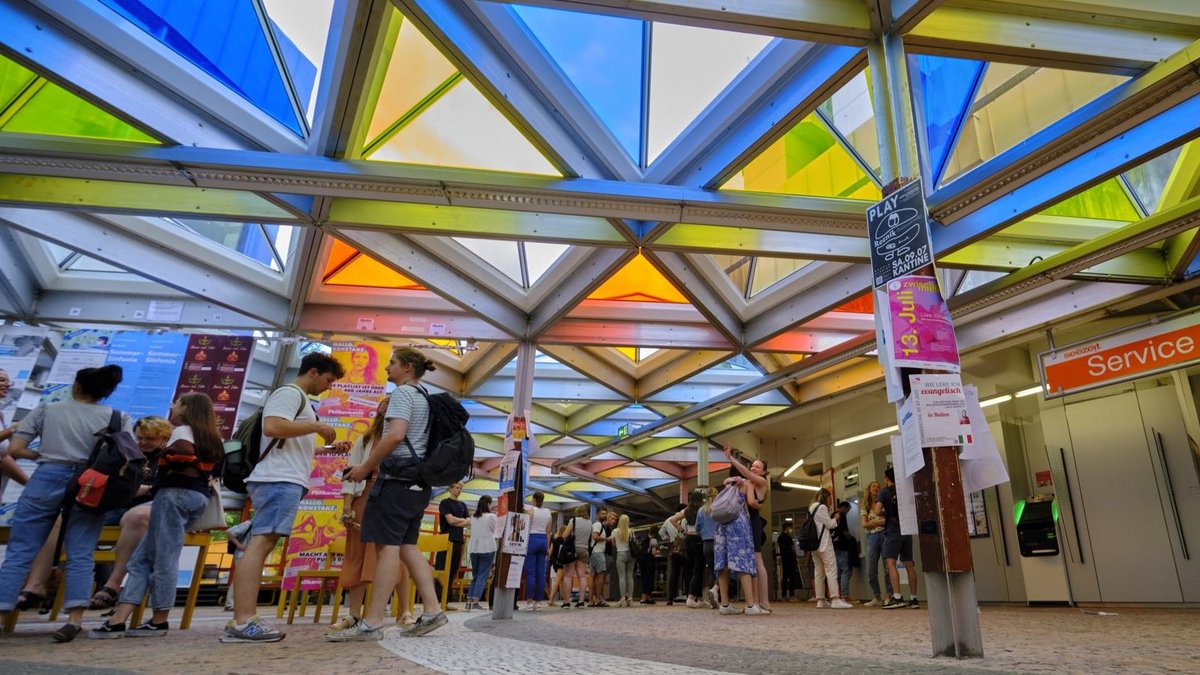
column 366, row 271
column 639, row 281
column 339, row 254
column 863, row 304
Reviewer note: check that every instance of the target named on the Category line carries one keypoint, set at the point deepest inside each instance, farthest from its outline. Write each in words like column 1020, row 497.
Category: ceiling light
column 995, row 401
column 1029, row 392
column 794, row 466
column 869, row 434
column 801, row 486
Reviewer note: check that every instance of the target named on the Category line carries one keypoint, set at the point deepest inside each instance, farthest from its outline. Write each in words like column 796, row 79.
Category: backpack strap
column 428, row 422
column 812, row 514
column 114, row 422
column 278, row 442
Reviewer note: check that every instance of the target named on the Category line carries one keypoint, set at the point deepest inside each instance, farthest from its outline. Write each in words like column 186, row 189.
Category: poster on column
column 318, row 525
column 150, row 366
column 906, row 500
column 20, row 347
column 940, row 408
column 919, row 331
column 514, row 538
column 217, row 365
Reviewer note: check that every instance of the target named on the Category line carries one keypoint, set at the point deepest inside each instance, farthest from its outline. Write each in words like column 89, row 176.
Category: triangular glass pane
column 737, row 268
column 850, row 111
column 770, row 271
column 645, row 353
column 539, row 257
column 1149, row 180
column 629, row 352
column 808, row 161
column 224, row 39
column 463, row 129
column 339, row 254
column 34, row 105
column 947, row 88
column 83, row 263
column 248, row 239
column 1106, row 201
column 689, row 67
column 503, row 255
column 1014, row 102
column 601, row 56
column 301, row 29
column 367, row 272
column 639, row 281
column 415, row 70
column 58, row 254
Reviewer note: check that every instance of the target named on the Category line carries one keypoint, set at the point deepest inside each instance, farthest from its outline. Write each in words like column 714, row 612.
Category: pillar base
column 502, row 603
column 953, row 615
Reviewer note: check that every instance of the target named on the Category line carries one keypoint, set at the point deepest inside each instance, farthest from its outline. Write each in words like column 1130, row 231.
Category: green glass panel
column 1148, row 180
column 1106, row 201
column 54, row 111
column 13, row 80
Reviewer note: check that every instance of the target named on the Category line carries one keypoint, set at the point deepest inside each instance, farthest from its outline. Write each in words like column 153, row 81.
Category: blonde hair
column 153, row 425
column 623, row 532
column 582, row 511
column 710, row 493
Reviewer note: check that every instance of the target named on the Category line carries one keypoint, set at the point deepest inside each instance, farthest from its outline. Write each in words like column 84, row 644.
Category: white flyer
column 941, row 410
column 515, row 537
column 910, row 439
column 906, row 500
column 516, row 572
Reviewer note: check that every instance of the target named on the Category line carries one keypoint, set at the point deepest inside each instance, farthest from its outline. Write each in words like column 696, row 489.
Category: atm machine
column 1042, row 562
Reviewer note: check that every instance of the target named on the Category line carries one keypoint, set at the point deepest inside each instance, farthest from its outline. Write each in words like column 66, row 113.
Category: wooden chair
column 325, row 574
column 430, row 545
column 204, row 541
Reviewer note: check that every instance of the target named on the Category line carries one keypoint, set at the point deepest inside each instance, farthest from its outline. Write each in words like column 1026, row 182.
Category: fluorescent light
column 995, row 401
column 869, row 434
column 795, row 466
column 801, row 486
column 1028, row 392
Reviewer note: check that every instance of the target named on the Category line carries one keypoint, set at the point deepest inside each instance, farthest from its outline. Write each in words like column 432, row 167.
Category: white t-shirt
column 292, row 461
column 483, row 534
column 183, row 433
column 539, row 518
column 597, row 528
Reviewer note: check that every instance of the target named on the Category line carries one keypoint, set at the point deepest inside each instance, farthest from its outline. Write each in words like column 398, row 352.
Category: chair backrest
column 432, row 544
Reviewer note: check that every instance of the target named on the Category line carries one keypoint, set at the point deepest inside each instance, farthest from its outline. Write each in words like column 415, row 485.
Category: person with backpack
column 396, row 504
column 485, row 533
column 733, row 547
column 182, row 489
column 277, row 482
column 845, row 547
column 646, row 567
column 706, row 527
column 580, row 533
column 896, row 546
column 825, row 569
column 68, row 433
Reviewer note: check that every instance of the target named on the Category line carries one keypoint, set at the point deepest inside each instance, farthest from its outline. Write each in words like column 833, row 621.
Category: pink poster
column 921, row 331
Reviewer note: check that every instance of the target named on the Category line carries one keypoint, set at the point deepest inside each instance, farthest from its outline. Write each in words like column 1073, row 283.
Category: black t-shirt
column 787, row 549
column 887, row 497
column 455, row 508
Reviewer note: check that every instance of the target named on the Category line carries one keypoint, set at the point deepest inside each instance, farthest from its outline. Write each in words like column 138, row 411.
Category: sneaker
column 423, row 625
column 710, row 598
column 693, row 604
column 755, row 610
column 149, row 629
column 913, row 603
column 839, row 603
column 255, row 631
column 645, row 602
column 356, row 633
column 729, row 610
column 580, row 604
column 107, row 631
column 822, row 604
column 874, row 602
column 894, row 603
column 567, row 605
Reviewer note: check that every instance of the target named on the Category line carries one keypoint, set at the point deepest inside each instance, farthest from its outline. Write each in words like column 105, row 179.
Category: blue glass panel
column 303, row 72
column 224, row 38
column 253, row 245
column 602, row 56
column 948, row 87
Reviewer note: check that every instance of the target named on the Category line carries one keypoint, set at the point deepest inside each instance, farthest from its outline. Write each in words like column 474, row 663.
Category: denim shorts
column 275, row 506
column 597, row 563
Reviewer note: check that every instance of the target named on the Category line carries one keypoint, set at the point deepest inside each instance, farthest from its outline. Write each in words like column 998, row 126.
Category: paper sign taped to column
column 910, row 439
column 941, row 410
column 508, row 471
column 906, row 501
column 516, row 570
column 980, row 461
column 515, row 537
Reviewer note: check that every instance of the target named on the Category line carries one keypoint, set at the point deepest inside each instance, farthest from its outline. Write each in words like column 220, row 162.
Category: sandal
column 104, row 598
column 407, row 619
column 28, row 600
column 344, row 623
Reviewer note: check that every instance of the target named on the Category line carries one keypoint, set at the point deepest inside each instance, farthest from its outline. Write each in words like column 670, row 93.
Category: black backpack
column 114, row 470
column 243, row 452
column 809, row 536
column 450, row 450
column 635, row 547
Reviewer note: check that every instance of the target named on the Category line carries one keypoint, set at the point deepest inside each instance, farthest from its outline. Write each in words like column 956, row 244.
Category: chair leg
column 283, row 601
column 59, row 597
column 292, row 600
column 320, row 602
column 10, row 621
column 136, row 617
column 194, row 589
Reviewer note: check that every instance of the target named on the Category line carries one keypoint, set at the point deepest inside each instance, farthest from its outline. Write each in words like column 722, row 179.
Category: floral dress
column 733, row 547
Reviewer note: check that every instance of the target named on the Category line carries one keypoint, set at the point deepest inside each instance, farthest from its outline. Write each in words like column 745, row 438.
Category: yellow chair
column 325, row 574
column 429, row 544
column 204, row 541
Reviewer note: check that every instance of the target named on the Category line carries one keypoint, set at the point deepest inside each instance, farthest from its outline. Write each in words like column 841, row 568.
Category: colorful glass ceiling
column 639, row 281
column 268, row 245
column 753, row 274
column 522, row 261
column 346, row 266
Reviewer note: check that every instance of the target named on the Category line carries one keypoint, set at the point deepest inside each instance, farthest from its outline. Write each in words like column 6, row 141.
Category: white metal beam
column 847, row 283
column 382, row 322
column 18, row 287
column 691, row 282
column 587, row 275
column 125, row 309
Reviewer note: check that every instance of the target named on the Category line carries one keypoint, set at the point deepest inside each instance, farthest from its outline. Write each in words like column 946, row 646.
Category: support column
column 941, row 511
column 504, row 598
column 702, row 462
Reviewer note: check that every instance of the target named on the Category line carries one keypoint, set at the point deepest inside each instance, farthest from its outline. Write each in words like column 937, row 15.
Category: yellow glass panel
column 463, row 129
column 416, row 68
column 339, row 254
column 1106, row 201
column 367, row 272
column 452, row 344
column 737, row 268
column 1015, row 102
column 808, row 161
column 639, row 281
column 630, row 352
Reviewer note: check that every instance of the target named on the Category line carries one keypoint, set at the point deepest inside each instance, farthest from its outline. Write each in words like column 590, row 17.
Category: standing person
column 845, row 548
column 182, row 488
column 625, row 562
column 686, row 522
column 581, row 532
column 733, row 550
column 482, row 549
column 787, row 562
column 9, row 469
column 872, row 525
column 895, row 545
column 277, row 484
column 825, row 570
column 535, row 560
column 610, row 555
column 756, row 476
column 597, row 563
column 562, row 537
column 453, row 514
column 646, row 567
column 67, row 432
column 677, row 564
column 706, row 527
column 396, row 503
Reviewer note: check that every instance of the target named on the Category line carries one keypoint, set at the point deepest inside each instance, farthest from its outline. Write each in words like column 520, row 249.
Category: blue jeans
column 535, row 567
column 874, row 548
column 39, row 506
column 843, row 562
column 481, row 566
column 275, row 506
column 155, row 563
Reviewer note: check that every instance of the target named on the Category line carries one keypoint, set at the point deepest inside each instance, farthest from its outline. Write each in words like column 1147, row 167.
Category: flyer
column 906, row 499
column 514, row 538
column 940, row 408
column 920, row 332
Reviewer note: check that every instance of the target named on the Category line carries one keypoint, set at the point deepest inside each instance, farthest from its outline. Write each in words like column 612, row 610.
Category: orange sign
column 1143, row 351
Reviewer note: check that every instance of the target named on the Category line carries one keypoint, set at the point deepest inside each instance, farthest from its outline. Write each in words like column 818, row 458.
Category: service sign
column 898, row 228
column 1128, row 355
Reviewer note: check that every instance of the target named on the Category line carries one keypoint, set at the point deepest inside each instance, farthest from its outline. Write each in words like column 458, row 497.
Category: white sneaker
column 822, row 604
column 755, row 610
column 710, row 597
column 729, row 609
column 839, row 603
column 873, row 603
column 693, row 604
